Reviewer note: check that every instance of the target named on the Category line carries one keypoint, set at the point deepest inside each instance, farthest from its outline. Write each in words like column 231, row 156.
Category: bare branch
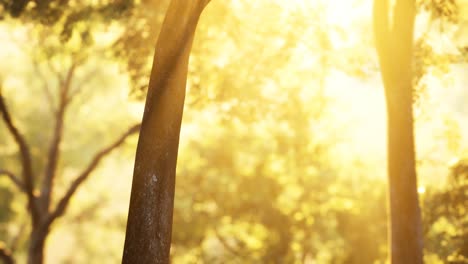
column 13, row 178
column 53, row 69
column 54, row 153
column 68, row 92
column 45, row 86
column 65, row 84
column 52, row 158
column 5, row 254
column 26, row 162
column 63, row 203
column 79, row 87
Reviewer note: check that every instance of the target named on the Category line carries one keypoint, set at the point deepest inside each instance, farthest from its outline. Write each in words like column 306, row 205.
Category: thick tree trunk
column 149, row 226
column 395, row 45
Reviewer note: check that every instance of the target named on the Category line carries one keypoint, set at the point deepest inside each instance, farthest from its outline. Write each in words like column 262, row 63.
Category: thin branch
column 17, row 181
column 53, row 69
column 26, row 160
column 63, row 203
column 65, row 84
column 45, row 86
column 52, row 158
column 5, row 254
column 79, row 87
column 54, row 153
column 71, row 93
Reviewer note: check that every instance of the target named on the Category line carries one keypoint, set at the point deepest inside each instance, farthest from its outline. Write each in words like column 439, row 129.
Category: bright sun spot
column 421, row 189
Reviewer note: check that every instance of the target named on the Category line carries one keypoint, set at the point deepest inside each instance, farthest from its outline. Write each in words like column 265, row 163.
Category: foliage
column 49, row 158
column 446, row 218
column 270, row 168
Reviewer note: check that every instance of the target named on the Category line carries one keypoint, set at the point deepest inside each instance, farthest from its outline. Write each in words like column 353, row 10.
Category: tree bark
column 149, row 226
column 37, row 241
column 395, row 46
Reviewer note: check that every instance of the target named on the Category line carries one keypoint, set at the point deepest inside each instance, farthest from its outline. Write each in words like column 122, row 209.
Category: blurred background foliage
column 282, row 153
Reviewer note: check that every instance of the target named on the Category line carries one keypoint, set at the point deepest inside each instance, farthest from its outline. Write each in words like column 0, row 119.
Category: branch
column 5, row 254
column 25, row 153
column 13, row 178
column 65, row 84
column 45, row 85
column 71, row 93
column 54, row 148
column 63, row 203
column 79, row 87
column 52, row 68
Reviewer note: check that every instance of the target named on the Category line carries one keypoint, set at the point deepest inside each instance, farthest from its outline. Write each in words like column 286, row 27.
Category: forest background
column 282, row 153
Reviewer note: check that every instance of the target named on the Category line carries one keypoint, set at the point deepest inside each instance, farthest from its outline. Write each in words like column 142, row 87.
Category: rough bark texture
column 394, row 46
column 149, row 226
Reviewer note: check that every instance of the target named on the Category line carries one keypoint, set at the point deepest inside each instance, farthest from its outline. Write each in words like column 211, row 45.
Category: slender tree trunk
column 406, row 230
column 149, row 226
column 395, row 45
column 37, row 246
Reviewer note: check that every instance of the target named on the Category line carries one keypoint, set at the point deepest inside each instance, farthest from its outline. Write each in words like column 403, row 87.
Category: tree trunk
column 394, row 45
column 149, row 226
column 406, row 230
column 37, row 245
